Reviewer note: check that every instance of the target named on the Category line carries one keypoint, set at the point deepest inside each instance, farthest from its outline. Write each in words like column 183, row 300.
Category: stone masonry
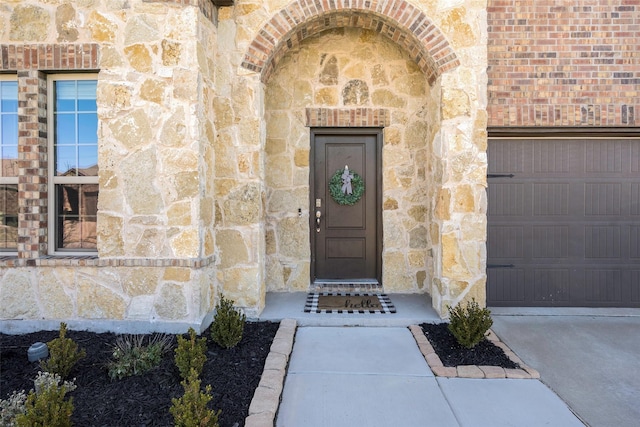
column 204, row 118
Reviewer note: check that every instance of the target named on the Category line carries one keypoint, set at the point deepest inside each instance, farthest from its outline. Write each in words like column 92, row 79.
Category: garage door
column 564, row 223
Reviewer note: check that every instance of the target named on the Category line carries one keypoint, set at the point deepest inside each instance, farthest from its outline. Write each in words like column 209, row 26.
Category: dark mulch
column 451, row 353
column 144, row 400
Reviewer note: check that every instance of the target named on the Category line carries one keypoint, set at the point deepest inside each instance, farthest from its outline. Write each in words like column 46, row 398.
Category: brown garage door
column 564, row 223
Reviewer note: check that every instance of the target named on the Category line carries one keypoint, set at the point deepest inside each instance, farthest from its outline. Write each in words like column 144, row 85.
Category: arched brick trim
column 400, row 21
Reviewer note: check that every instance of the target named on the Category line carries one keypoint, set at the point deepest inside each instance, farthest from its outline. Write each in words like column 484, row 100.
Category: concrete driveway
column 590, row 358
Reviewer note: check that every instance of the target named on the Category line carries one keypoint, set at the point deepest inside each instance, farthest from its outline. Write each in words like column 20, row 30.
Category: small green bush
column 46, row 406
column 228, row 324
column 10, row 408
column 470, row 324
column 132, row 357
column 191, row 409
column 190, row 354
column 63, row 354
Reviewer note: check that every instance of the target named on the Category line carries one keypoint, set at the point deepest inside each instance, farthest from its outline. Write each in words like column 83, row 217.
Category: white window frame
column 52, row 178
column 11, row 179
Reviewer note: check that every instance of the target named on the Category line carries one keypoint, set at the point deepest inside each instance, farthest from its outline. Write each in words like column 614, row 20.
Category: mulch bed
column 451, row 353
column 144, row 400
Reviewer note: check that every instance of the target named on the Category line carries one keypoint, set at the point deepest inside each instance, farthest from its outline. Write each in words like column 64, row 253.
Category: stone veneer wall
column 188, row 200
column 564, row 63
column 155, row 263
column 447, row 42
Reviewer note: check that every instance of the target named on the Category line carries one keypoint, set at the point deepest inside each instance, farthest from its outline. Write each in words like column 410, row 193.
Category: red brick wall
column 564, row 63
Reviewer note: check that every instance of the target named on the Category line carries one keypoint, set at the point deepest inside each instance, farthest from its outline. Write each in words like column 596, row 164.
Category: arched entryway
column 392, row 68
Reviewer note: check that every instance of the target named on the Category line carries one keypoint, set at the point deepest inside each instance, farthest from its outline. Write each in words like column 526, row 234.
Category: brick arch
column 400, row 21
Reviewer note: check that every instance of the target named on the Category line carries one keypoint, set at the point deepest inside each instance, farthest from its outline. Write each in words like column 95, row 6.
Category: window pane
column 66, row 95
column 8, row 217
column 8, row 128
column 66, row 160
column 66, row 129
column 76, row 214
column 88, row 128
column 9, row 96
column 88, row 160
column 76, row 154
column 87, row 95
column 9, row 104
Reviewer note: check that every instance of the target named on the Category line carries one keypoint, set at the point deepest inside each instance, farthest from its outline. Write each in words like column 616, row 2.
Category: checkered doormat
column 348, row 303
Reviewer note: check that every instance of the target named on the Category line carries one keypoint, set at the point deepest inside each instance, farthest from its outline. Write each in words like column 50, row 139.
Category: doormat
column 348, row 303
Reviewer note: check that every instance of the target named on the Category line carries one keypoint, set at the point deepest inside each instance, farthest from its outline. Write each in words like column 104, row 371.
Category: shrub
column 11, row 408
column 63, row 354
column 191, row 409
column 190, row 354
column 132, row 357
column 46, row 406
column 470, row 324
column 228, row 324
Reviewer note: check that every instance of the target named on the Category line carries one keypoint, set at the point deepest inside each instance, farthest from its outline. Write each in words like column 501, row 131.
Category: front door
column 345, row 204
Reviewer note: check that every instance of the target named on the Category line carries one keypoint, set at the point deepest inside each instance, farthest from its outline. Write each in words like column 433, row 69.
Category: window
column 8, row 164
column 73, row 141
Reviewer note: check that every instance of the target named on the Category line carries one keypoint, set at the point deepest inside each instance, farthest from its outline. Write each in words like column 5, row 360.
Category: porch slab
column 410, row 309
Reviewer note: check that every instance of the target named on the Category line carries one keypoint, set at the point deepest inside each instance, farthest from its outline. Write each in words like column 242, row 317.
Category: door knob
column 318, row 216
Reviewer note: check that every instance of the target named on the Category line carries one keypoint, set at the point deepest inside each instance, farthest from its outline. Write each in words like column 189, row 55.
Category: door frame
column 378, row 133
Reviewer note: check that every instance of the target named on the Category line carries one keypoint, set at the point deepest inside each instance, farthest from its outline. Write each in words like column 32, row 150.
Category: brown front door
column 345, row 237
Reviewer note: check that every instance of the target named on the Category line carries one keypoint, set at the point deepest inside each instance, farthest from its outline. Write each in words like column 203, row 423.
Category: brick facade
column 347, row 117
column 554, row 63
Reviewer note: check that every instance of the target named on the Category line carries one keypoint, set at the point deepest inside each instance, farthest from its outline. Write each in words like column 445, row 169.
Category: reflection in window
column 76, row 127
column 8, row 164
column 75, row 171
column 8, row 216
column 77, row 209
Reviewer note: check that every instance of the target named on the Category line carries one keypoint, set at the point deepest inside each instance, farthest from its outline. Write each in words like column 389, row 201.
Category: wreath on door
column 346, row 187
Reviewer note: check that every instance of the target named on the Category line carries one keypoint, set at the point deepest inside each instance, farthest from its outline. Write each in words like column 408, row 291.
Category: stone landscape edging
column 472, row 371
column 266, row 398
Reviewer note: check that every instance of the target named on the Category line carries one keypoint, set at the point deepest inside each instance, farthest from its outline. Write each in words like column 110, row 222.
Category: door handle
column 318, row 216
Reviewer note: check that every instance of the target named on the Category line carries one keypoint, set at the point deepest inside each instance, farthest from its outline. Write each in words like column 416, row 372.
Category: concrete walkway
column 376, row 376
column 589, row 358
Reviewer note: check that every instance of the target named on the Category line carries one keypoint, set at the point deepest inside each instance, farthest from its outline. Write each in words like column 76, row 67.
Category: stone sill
column 95, row 261
column 472, row 371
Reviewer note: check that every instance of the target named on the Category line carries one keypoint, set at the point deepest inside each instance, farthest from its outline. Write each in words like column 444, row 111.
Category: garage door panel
column 602, row 242
column 602, row 199
column 603, row 285
column 551, row 198
column 508, row 157
column 550, row 241
column 509, row 287
column 634, row 285
column 569, row 223
column 634, row 243
column 634, row 199
column 552, row 158
column 605, row 156
column 507, row 199
column 551, row 285
column 509, row 242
